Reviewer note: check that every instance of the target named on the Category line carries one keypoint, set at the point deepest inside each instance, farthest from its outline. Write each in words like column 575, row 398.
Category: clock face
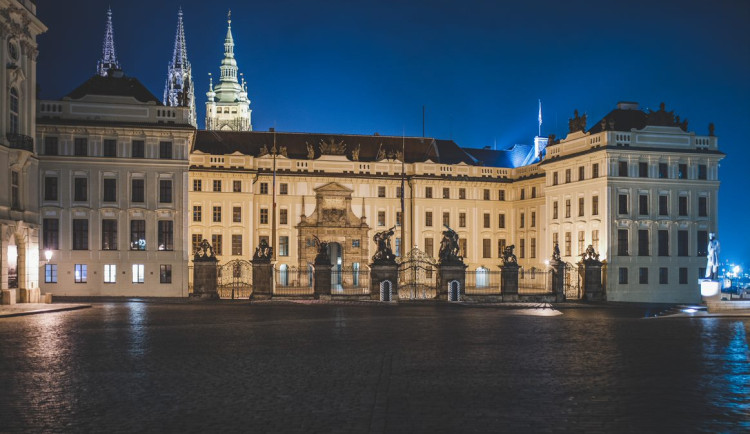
column 13, row 49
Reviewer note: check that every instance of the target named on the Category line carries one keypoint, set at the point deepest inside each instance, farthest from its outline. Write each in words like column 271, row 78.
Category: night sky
column 479, row 67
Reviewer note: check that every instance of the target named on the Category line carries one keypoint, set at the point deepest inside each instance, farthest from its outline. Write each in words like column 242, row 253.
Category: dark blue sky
column 478, row 66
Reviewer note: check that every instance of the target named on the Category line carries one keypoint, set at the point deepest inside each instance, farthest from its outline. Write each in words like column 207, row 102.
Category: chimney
column 627, row 105
column 271, row 130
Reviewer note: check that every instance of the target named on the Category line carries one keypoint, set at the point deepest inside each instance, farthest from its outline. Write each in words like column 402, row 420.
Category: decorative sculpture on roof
column 711, row 129
column 355, row 153
column 321, row 257
column 590, row 254
column 332, row 148
column 263, row 151
column 509, row 258
column 204, row 252
column 449, row 248
column 551, row 140
column 556, row 252
column 384, row 254
column 310, row 151
column 712, row 264
column 282, row 151
column 577, row 123
column 263, row 252
column 400, row 155
column 381, row 153
column 664, row 118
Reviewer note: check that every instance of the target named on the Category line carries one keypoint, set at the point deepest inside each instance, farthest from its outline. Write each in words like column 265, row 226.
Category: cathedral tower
column 109, row 60
column 179, row 91
column 228, row 107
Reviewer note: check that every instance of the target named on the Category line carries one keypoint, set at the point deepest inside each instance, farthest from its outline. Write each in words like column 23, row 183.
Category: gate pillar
column 558, row 279
column 447, row 273
column 509, row 281
column 381, row 273
column 593, row 289
column 262, row 280
column 204, row 273
column 322, row 284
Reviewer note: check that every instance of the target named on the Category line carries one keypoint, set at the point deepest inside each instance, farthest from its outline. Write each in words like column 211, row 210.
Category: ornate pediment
column 332, row 147
column 333, row 208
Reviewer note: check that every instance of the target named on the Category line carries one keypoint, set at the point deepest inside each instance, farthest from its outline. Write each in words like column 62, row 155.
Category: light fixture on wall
column 48, row 255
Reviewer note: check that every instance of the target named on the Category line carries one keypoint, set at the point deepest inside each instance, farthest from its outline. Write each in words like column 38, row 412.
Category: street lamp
column 48, row 255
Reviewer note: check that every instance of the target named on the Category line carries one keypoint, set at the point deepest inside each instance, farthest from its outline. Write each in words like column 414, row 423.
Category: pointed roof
column 179, row 57
column 114, row 85
column 109, row 59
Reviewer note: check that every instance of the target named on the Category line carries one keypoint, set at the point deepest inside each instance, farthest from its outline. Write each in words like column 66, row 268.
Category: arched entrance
column 335, row 253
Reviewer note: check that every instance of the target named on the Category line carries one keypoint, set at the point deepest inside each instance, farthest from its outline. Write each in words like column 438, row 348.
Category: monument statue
column 712, row 264
column 383, row 254
column 577, row 123
column 508, row 256
column 449, row 250
column 322, row 248
column 590, row 254
column 310, row 151
column 204, row 252
column 355, row 153
column 263, row 151
column 282, row 151
column 381, row 153
column 263, row 252
column 556, row 252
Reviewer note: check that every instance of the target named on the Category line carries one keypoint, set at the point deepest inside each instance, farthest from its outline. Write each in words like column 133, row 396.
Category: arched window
column 13, row 109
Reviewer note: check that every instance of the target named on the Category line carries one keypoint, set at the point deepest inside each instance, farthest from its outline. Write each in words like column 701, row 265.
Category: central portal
column 334, row 252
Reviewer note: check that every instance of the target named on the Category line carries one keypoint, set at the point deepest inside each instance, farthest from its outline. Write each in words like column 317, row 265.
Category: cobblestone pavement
column 290, row 367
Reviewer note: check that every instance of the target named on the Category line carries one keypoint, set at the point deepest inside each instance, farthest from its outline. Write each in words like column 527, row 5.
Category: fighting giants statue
column 556, row 253
column 263, row 252
column 508, row 256
column 590, row 254
column 449, row 251
column 384, row 254
column 712, row 265
column 204, row 252
column 322, row 257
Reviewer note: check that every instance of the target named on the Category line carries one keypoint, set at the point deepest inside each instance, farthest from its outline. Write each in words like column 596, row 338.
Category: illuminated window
column 110, row 273
column 109, row 234
column 138, row 235
column 50, row 273
column 236, row 244
column 165, row 273
column 166, row 235
column 236, row 214
column 139, row 273
column 237, row 186
column 81, row 273
column 197, row 213
column 197, row 185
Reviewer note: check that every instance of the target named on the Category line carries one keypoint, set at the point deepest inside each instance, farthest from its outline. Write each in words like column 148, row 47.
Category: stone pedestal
column 9, row 296
column 384, row 282
column 30, row 295
column 558, row 279
column 323, row 281
column 262, row 280
column 451, row 281
column 205, row 280
column 593, row 290
column 509, row 282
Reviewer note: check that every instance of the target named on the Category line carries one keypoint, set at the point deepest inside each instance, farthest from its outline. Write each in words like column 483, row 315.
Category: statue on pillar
column 556, row 253
column 322, row 257
column 712, row 264
column 383, row 254
column 204, row 252
column 449, row 249
column 590, row 255
column 263, row 252
column 508, row 256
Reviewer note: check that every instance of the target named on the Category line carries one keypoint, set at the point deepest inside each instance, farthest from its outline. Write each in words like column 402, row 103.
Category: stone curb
column 39, row 311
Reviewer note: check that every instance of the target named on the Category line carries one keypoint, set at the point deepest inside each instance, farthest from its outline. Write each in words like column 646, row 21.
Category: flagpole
column 540, row 118
column 403, row 192
column 273, row 215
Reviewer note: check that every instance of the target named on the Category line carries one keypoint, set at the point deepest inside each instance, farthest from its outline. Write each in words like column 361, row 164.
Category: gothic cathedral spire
column 227, row 105
column 109, row 60
column 179, row 91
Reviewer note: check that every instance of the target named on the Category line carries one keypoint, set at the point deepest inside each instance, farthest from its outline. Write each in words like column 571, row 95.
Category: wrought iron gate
column 235, row 279
column 417, row 276
column 572, row 282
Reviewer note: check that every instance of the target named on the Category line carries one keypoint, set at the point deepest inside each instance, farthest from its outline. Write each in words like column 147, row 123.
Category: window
column 446, row 219
column 642, row 204
column 522, row 248
column 110, row 190
column 398, row 191
column 166, row 235
column 581, row 173
column 501, row 195
column 263, row 188
column 14, row 111
column 80, row 147
column 487, row 220
column 165, row 150
column 462, row 219
column 216, row 216
column 486, row 194
column 15, row 179
column 500, row 247
column 682, row 172
column 682, row 243
column 554, row 210
column 643, row 275
column 137, row 149
column 702, row 247
column 428, row 218
column 622, row 204
column 622, row 168
column 165, row 273
column 236, row 244
column 567, row 208
column 138, row 235
column 581, row 242
column 110, row 148
column 501, row 221
column 663, row 170
column 683, row 206
column 51, row 234
column 110, row 273
column 446, row 193
column 523, row 193
column 236, row 214
column 50, row 188
column 533, row 192
column 109, row 234
column 581, row 210
column 567, row 176
column 137, row 187
column 398, row 247
column 165, row 190
column 237, row 186
column 623, row 273
column 554, row 178
column 81, row 273
column 643, row 249
column 381, row 218
column 217, row 241
column 522, row 220
column 683, row 272
column 568, row 242
column 595, row 170
column 80, row 234
column 462, row 193
column 283, row 216
column 355, row 243
column 139, row 273
column 284, row 189
column 196, row 239
column 622, row 242
column 555, row 238
column 532, row 248
column 702, row 172
column 486, row 248
column 663, row 242
column 463, row 247
column 663, row 204
column 703, row 206
column 51, row 146
column 428, row 192
column 50, row 273
column 643, row 170
column 217, row 185
column 428, row 247
column 80, row 189
column 595, row 205
column 594, row 239
column 398, row 218
column 663, row 275
column 264, row 216
column 284, row 245
column 197, row 213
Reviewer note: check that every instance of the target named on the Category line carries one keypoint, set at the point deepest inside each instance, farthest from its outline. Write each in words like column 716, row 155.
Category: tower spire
column 179, row 91
column 109, row 59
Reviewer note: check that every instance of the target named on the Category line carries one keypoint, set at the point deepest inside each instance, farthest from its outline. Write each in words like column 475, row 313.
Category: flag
column 540, row 112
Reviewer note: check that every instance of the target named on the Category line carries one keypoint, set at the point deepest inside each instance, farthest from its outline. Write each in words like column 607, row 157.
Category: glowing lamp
column 48, row 255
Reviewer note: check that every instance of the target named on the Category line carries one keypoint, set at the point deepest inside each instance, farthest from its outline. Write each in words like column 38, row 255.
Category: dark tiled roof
column 418, row 149
column 621, row 120
column 512, row 157
column 114, row 86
